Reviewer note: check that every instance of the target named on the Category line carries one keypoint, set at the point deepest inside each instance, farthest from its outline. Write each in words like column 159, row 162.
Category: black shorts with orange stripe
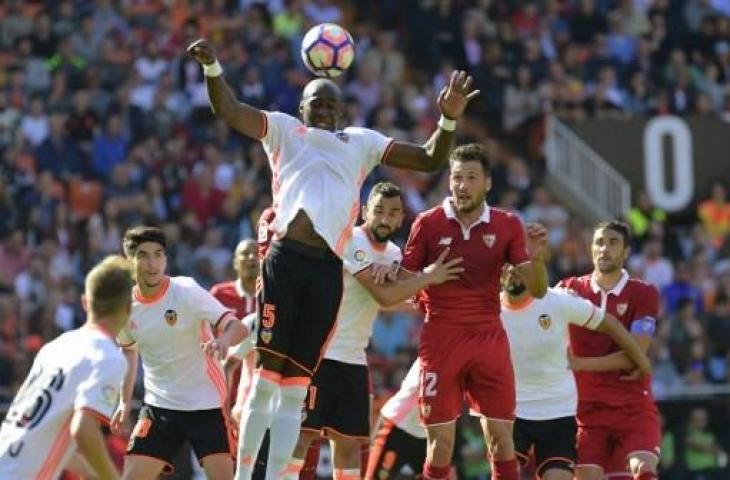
column 394, row 449
column 161, row 433
column 301, row 289
column 552, row 442
column 338, row 400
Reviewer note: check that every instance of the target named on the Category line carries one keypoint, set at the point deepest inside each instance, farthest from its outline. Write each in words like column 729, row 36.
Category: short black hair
column 471, row 152
column 385, row 190
column 617, row 226
column 135, row 236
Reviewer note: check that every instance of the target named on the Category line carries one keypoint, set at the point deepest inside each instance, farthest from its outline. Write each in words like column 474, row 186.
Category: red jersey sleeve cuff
column 223, row 319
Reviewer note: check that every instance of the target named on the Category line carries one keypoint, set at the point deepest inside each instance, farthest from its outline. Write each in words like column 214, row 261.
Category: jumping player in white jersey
column 546, row 391
column 318, row 170
column 72, row 388
column 172, row 327
column 338, row 402
column 401, row 439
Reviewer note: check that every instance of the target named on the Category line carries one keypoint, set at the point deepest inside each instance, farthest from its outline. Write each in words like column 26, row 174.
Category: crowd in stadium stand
column 104, row 123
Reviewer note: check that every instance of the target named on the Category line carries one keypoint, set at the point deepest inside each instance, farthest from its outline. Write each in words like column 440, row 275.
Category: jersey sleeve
column 276, row 125
column 378, row 146
column 241, row 350
column 647, row 311
column 579, row 311
column 99, row 391
column 517, row 249
column 357, row 256
column 204, row 306
column 125, row 339
column 416, row 250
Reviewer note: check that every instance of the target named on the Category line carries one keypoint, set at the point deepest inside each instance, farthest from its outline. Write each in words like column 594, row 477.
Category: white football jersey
column 80, row 370
column 538, row 337
column 168, row 330
column 402, row 408
column 320, row 172
column 358, row 308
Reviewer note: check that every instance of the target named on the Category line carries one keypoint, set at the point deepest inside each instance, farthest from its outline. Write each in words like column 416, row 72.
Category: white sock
column 293, row 469
column 255, row 420
column 284, row 429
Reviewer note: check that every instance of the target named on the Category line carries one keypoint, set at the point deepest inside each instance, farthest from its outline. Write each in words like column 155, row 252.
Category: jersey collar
column 154, row 298
column 451, row 213
column 617, row 289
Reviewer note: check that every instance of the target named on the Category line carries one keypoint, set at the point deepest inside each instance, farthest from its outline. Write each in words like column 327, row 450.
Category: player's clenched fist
column 201, row 51
column 216, row 348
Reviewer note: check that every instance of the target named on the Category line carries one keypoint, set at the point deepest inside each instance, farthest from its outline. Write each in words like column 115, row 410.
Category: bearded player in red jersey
column 618, row 422
column 464, row 350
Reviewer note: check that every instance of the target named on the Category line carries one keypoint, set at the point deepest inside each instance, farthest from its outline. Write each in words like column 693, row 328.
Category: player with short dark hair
column 618, row 421
column 181, row 332
column 546, row 393
column 318, row 170
column 462, row 317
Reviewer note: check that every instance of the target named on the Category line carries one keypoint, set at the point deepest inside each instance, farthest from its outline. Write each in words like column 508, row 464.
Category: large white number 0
column 429, row 384
column 683, row 168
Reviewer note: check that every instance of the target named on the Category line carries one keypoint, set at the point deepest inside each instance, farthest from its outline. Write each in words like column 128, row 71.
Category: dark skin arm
column 429, row 157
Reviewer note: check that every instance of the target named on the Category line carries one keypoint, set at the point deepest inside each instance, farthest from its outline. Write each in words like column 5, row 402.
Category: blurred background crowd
column 104, row 123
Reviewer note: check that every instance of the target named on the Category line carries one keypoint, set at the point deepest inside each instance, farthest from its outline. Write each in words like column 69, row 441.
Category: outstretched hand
column 201, row 51
column 454, row 97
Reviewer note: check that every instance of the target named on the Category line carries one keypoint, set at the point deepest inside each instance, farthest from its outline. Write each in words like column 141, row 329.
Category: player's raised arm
column 433, row 155
column 534, row 273
column 248, row 120
column 86, row 432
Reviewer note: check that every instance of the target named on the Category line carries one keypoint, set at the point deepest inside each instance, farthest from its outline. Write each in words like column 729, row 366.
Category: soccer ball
column 327, row 50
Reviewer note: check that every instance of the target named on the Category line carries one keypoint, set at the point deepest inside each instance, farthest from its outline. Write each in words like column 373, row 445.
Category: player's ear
column 84, row 303
column 488, row 182
column 364, row 212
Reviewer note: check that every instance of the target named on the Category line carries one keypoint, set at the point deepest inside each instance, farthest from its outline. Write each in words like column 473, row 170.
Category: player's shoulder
column 184, row 282
column 281, row 118
column 393, row 252
column 500, row 215
column 223, row 287
column 434, row 215
column 641, row 287
column 575, row 285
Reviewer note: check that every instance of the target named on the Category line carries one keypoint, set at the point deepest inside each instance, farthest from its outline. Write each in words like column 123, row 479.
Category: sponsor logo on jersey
column 171, row 317
column 266, row 335
column 621, row 308
column 445, row 241
column 359, row 255
column 545, row 321
column 489, row 239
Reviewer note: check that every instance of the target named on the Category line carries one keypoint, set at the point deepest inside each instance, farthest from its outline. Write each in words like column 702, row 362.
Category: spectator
column 714, row 213
column 109, row 148
column 702, row 451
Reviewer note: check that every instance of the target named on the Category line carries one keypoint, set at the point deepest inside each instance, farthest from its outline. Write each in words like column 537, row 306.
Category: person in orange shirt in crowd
column 714, row 213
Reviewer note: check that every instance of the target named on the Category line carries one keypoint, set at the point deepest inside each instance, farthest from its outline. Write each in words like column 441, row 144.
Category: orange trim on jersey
column 156, row 296
column 550, row 459
column 520, row 305
column 386, row 152
column 339, row 474
column 273, row 377
column 285, row 357
column 52, row 465
column 295, row 382
column 216, row 376
column 346, row 232
column 378, row 445
column 104, row 419
column 229, row 314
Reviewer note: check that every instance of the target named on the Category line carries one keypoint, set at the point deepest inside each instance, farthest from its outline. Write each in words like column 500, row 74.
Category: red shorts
column 458, row 364
column 608, row 435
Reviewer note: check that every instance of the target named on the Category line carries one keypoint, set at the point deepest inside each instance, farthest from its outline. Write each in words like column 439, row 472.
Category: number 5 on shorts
column 429, row 384
column 268, row 316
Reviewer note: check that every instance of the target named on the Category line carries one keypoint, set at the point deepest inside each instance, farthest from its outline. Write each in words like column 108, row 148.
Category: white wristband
column 447, row 124
column 212, row 69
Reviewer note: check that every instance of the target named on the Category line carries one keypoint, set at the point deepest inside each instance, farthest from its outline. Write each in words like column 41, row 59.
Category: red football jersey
column 496, row 238
column 264, row 232
column 629, row 300
column 231, row 295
